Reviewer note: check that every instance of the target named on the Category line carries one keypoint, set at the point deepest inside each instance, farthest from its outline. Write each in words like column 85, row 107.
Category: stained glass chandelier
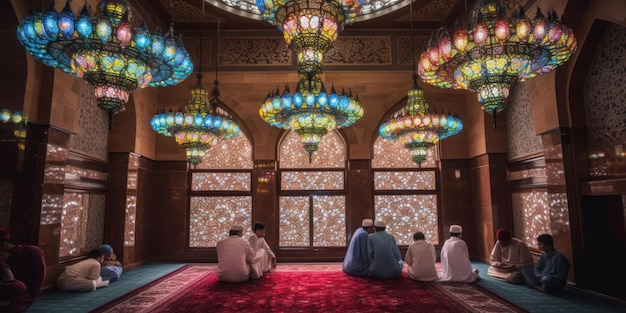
column 417, row 127
column 201, row 124
column 105, row 51
column 310, row 27
column 496, row 52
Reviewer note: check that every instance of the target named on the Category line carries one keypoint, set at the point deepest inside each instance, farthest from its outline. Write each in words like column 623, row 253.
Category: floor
column 570, row 301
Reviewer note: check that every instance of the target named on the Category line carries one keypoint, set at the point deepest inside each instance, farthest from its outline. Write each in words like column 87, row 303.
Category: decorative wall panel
column 312, row 180
column 329, row 221
column 212, row 217
column 254, row 51
column 606, row 105
column 407, row 214
column 409, row 52
column 604, row 97
column 521, row 137
column 424, row 180
column 93, row 127
column 220, row 181
column 360, row 51
column 294, row 226
column 331, row 153
column 234, row 153
column 392, row 154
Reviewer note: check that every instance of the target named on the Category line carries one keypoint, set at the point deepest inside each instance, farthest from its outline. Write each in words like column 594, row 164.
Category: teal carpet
column 82, row 302
column 569, row 301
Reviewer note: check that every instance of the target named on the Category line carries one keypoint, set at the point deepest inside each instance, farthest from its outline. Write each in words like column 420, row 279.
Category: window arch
column 312, row 195
column 405, row 195
column 221, row 192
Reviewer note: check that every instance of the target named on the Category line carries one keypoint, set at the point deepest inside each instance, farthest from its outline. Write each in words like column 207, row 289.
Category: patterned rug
column 303, row 288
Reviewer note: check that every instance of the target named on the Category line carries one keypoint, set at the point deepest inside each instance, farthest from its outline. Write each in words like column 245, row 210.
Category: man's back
column 355, row 262
column 384, row 255
column 233, row 255
column 455, row 262
column 421, row 257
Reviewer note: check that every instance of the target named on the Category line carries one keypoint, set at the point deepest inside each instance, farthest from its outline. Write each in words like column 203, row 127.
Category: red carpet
column 304, row 288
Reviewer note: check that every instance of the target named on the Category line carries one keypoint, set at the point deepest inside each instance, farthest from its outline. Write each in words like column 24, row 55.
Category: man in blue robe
column 550, row 273
column 383, row 254
column 355, row 263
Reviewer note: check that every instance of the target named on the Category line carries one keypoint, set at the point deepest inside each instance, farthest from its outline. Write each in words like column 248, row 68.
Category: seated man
column 508, row 257
column 355, row 262
column 84, row 275
column 27, row 264
column 111, row 269
column 421, row 257
column 236, row 258
column 550, row 273
column 267, row 258
column 383, row 254
column 455, row 262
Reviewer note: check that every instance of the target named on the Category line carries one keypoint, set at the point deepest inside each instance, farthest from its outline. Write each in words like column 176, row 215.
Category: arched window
column 405, row 195
column 220, row 194
column 312, row 196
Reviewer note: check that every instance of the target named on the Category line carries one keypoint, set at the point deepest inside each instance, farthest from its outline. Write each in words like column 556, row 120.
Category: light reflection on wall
column 531, row 215
column 407, row 214
column 220, row 181
column 51, row 209
column 82, row 223
column 212, row 217
column 129, row 223
column 560, row 212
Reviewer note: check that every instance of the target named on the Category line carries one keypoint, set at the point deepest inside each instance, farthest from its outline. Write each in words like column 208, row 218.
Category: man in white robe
column 421, row 257
column 455, row 261
column 84, row 275
column 236, row 260
column 267, row 258
column 508, row 257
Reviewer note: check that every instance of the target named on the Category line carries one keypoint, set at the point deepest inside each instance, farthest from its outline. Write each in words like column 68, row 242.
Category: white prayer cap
column 380, row 223
column 367, row 222
column 236, row 227
column 456, row 229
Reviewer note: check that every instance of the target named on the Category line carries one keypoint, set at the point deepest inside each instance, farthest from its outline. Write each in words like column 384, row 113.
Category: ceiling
column 428, row 15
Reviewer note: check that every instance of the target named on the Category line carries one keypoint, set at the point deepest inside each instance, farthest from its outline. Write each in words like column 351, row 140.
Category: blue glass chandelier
column 199, row 126
column 105, row 51
column 310, row 27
